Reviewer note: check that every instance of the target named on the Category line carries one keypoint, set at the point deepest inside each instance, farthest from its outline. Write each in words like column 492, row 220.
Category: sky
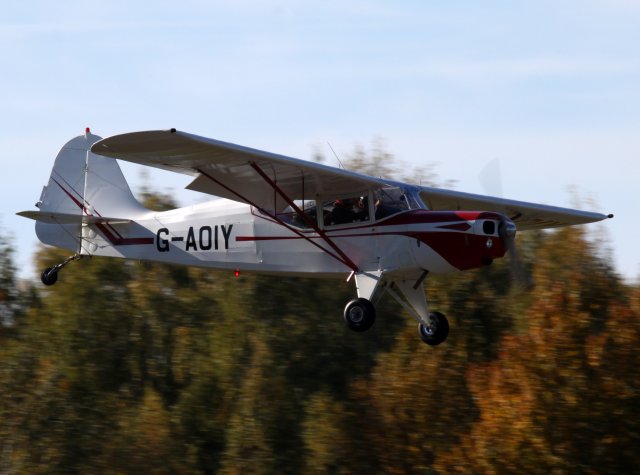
column 550, row 90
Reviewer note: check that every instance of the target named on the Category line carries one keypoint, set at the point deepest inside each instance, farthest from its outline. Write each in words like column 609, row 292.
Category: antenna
column 336, row 155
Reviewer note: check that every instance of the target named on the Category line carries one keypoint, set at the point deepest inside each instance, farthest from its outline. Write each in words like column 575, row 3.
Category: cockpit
column 353, row 208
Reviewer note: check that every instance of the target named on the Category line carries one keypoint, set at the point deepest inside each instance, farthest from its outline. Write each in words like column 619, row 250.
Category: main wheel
column 436, row 331
column 359, row 314
column 48, row 277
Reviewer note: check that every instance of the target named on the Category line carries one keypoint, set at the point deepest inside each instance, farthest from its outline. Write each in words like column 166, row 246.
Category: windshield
column 392, row 200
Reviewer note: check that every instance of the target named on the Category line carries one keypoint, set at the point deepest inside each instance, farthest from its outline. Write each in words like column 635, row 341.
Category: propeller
column 508, row 231
column 491, row 179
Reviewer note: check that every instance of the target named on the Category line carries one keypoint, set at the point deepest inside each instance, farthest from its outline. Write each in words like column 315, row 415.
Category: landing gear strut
column 360, row 314
column 49, row 276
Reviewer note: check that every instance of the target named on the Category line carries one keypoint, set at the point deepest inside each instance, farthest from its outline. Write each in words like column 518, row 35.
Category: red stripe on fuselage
column 462, row 249
column 115, row 240
column 120, row 241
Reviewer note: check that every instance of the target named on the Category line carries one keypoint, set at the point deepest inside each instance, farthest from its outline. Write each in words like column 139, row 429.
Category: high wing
column 270, row 181
column 524, row 214
column 233, row 171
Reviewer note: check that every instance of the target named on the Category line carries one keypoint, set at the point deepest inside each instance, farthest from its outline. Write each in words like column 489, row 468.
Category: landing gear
column 436, row 330
column 359, row 314
column 49, row 276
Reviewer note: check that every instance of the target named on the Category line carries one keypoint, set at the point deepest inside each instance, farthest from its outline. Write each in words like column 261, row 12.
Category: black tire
column 437, row 331
column 359, row 315
column 49, row 278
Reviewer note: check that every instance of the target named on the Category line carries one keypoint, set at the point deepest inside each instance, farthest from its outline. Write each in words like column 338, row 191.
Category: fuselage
column 229, row 235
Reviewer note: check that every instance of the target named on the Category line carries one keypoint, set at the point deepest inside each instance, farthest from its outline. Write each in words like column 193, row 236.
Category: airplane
column 280, row 215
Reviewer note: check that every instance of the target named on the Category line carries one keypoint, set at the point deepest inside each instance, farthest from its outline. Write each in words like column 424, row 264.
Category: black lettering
column 205, row 238
column 225, row 234
column 191, row 240
column 161, row 243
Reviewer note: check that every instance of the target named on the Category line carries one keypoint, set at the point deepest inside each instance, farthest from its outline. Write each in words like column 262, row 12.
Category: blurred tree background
column 134, row 367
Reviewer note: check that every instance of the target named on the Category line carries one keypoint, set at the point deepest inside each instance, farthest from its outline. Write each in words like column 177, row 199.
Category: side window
column 345, row 210
column 291, row 217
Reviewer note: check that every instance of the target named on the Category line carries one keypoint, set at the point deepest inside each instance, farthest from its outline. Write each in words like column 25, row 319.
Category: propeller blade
column 508, row 231
column 491, row 179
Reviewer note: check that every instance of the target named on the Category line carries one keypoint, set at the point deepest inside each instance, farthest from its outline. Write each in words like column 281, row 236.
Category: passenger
column 361, row 209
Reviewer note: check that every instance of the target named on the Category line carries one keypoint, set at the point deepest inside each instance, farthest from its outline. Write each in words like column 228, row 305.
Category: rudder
column 83, row 184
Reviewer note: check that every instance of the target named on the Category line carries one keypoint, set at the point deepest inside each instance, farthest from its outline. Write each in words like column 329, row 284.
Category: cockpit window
column 291, row 217
column 346, row 210
column 352, row 208
column 394, row 200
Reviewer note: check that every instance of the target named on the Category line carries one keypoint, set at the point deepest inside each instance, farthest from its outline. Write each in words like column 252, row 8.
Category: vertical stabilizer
column 83, row 184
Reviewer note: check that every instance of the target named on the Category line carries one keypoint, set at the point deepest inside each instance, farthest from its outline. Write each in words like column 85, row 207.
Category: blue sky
column 550, row 88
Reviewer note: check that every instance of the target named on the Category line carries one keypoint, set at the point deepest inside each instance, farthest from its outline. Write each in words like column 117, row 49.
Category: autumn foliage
column 129, row 367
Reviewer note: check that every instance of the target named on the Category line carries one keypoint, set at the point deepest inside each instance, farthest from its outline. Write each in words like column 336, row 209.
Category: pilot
column 384, row 208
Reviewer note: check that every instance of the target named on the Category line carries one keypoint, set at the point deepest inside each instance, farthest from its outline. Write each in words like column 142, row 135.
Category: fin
column 83, row 189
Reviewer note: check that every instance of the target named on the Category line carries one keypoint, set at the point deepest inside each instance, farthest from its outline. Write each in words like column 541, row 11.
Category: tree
column 13, row 301
column 546, row 402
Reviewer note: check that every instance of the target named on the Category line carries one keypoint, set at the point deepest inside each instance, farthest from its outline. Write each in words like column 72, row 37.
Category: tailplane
column 83, row 189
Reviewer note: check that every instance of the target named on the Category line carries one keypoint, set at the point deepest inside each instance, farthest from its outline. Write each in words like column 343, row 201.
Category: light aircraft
column 280, row 215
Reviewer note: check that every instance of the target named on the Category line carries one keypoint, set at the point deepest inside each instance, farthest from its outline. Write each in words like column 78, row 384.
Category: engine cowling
column 462, row 240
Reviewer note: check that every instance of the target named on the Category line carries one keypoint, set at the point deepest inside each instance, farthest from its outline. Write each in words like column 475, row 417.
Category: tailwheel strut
column 49, row 276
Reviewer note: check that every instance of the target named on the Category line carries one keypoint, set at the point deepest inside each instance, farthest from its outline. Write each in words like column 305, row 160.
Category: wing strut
column 342, row 258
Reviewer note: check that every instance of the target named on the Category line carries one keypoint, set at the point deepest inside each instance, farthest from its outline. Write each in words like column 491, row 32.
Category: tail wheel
column 49, row 276
column 436, row 331
column 359, row 314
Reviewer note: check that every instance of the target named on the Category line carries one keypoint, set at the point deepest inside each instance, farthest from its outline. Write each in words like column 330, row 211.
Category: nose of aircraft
column 507, row 231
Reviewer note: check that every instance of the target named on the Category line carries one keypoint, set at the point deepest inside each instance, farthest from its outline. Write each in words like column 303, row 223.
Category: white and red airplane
column 280, row 215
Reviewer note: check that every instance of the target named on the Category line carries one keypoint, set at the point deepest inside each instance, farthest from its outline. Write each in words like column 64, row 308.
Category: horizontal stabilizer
column 67, row 218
